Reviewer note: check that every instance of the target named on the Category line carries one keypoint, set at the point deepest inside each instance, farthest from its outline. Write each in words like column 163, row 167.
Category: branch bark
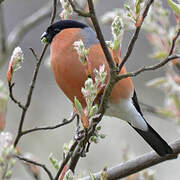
column 65, row 121
column 28, row 100
column 33, row 82
column 174, row 42
column 108, row 89
column 37, row 164
column 133, row 166
column 148, row 68
column 100, row 35
column 135, row 36
column 65, row 161
column 12, row 96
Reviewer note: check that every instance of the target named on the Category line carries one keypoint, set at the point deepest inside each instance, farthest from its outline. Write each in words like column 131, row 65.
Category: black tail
column 151, row 136
column 155, row 141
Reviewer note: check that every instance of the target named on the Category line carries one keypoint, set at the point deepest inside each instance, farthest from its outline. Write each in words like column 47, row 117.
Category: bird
column 70, row 76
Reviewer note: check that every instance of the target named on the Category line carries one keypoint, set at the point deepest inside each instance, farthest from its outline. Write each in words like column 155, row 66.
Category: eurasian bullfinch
column 70, row 76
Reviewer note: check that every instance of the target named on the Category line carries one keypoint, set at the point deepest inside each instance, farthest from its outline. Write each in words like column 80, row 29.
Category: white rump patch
column 126, row 111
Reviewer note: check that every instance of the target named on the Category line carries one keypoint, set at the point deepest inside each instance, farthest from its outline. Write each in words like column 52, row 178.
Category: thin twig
column 85, row 140
column 135, row 36
column 53, row 16
column 148, row 68
column 100, row 35
column 113, row 75
column 78, row 11
column 37, row 164
column 138, row 164
column 11, row 85
column 75, row 158
column 65, row 121
column 65, row 161
column 33, row 82
column 34, row 54
column 28, row 100
column 156, row 66
column 174, row 42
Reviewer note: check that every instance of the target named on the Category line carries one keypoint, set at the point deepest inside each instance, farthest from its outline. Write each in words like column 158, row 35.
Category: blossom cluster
column 91, row 87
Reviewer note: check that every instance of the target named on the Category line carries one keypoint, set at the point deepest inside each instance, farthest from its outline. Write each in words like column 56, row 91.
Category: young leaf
column 78, row 106
column 175, row 7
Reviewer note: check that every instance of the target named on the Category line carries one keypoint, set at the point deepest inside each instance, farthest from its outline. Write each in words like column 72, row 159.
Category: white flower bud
column 81, row 51
column 15, row 62
column 17, row 59
column 67, row 9
column 117, row 28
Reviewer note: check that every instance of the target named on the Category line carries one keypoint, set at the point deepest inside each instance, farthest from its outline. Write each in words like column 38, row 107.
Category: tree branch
column 158, row 65
column 37, row 164
column 84, row 142
column 53, row 15
column 65, row 161
column 133, row 166
column 114, row 77
column 112, row 80
column 135, row 36
column 65, row 121
column 28, row 100
column 12, row 96
column 174, row 42
column 100, row 35
column 74, row 159
column 148, row 68
column 33, row 82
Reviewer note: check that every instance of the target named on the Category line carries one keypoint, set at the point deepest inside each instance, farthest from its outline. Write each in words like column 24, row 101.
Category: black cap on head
column 58, row 27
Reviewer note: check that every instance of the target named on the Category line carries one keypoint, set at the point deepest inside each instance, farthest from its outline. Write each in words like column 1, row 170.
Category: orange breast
column 69, row 72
